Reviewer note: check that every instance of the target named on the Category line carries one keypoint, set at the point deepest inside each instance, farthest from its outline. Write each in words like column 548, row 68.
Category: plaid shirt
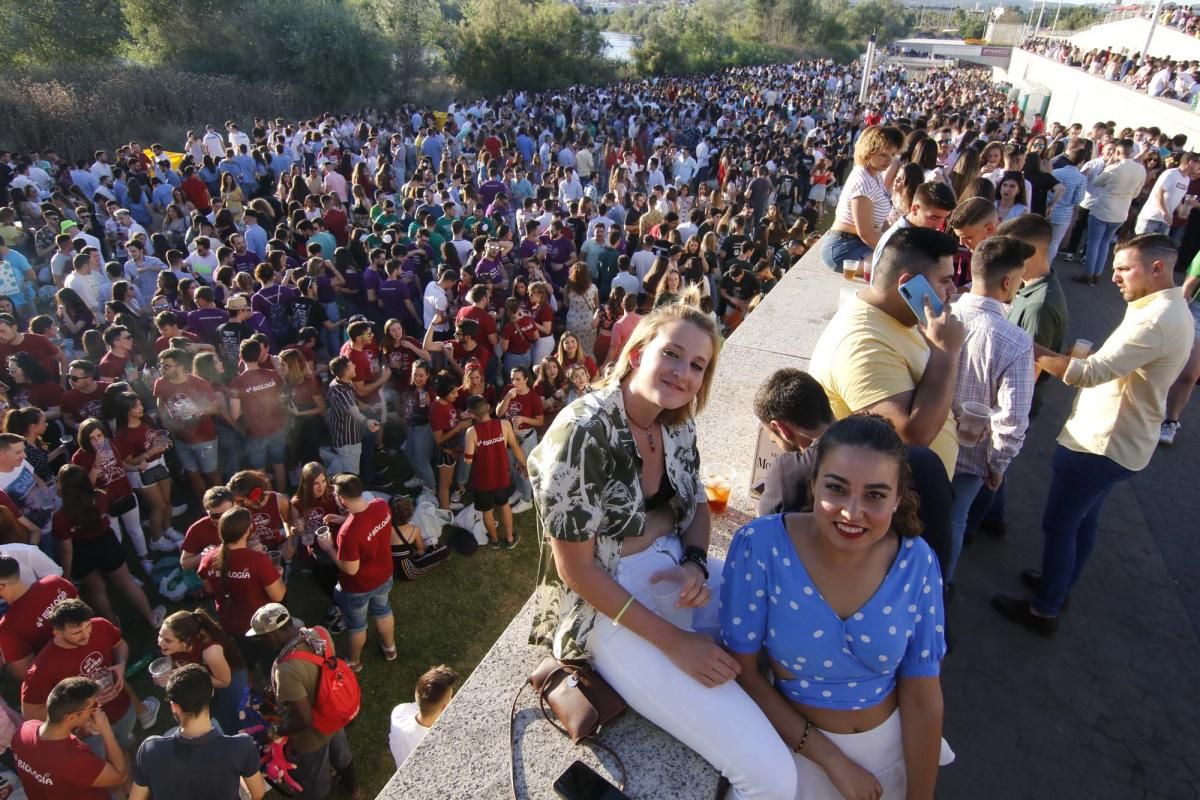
column 996, row 369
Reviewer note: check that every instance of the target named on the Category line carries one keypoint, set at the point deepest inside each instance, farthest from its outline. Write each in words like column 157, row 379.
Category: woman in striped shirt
column 865, row 201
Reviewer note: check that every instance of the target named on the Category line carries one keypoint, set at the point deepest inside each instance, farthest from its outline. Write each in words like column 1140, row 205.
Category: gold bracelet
column 624, row 608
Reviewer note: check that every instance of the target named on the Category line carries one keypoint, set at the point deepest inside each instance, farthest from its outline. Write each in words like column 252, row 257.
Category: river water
column 620, row 45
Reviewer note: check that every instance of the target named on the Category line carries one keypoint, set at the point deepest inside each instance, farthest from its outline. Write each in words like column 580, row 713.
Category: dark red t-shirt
column 186, row 403
column 486, row 322
column 163, row 342
column 54, row 769
column 266, row 523
column 367, row 538
column 113, row 366
column 462, row 355
column 84, row 406
column 65, row 529
column 442, row 416
column 92, row 660
column 132, row 442
column 25, row 627
column 364, row 368
column 523, row 405
column 400, row 361
column 200, row 534
column 42, row 349
column 520, row 334
column 261, row 393
column 314, row 516
column 306, row 392
column 249, row 572
column 489, row 468
column 112, row 478
column 45, row 395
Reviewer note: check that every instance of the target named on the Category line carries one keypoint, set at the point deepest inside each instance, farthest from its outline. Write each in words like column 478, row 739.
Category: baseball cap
column 237, row 303
column 67, row 224
column 268, row 618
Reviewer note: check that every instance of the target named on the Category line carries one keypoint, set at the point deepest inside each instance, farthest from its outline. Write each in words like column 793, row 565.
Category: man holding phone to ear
column 876, row 355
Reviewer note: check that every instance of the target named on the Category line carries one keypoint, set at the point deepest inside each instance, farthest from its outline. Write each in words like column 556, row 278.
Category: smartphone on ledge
column 914, row 293
column 581, row 782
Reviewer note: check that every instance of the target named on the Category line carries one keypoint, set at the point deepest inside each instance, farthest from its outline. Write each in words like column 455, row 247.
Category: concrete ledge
column 466, row 756
column 781, row 332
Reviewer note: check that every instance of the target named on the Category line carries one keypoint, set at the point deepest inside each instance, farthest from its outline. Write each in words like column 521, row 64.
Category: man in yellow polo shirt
column 873, row 356
column 1114, row 426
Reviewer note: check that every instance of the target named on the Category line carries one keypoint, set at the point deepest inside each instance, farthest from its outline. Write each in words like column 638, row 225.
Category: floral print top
column 586, row 485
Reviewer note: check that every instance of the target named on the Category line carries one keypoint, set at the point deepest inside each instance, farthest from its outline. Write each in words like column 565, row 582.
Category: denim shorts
column 840, row 246
column 197, row 456
column 356, row 606
column 261, row 453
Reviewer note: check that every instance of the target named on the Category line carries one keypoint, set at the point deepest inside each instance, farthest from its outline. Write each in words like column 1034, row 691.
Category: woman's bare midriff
column 659, row 522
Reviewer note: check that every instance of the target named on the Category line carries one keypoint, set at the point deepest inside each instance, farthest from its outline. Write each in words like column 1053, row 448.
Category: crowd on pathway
column 312, row 346
column 1172, row 79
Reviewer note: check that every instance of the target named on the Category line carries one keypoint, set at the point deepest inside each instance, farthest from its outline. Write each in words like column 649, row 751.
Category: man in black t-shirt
column 737, row 288
column 198, row 761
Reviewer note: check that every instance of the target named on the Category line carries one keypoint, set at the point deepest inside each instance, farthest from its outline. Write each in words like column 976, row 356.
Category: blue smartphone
column 914, row 293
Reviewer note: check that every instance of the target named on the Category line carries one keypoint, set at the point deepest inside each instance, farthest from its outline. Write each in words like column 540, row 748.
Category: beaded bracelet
column 804, row 737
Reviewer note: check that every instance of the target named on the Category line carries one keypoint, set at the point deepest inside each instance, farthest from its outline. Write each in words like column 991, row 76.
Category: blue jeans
column 966, row 487
column 516, row 360
column 1100, row 235
column 988, row 507
column 332, row 337
column 356, row 606
column 418, row 449
column 1079, row 485
column 528, row 440
column 838, row 247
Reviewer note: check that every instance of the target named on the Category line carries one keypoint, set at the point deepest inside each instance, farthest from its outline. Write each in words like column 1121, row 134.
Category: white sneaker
column 179, row 510
column 174, row 535
column 158, row 614
column 413, row 483
column 456, row 496
column 514, row 498
column 163, row 545
column 147, row 567
column 147, row 719
column 456, row 505
column 1166, row 433
column 521, row 507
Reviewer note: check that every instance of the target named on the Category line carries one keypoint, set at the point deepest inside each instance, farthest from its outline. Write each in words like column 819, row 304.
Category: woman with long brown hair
column 315, row 504
column 240, row 578
column 88, row 549
column 194, row 637
column 307, row 406
column 582, row 298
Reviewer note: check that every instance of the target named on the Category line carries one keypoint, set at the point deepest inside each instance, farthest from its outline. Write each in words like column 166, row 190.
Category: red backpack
column 338, row 694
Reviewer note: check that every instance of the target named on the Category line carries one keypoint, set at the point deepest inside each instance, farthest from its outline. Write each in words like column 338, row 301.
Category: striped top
column 342, row 418
column 862, row 183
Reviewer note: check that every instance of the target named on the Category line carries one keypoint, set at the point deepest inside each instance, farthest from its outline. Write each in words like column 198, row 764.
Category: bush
column 77, row 113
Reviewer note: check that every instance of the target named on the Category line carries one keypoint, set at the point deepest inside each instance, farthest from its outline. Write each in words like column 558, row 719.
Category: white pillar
column 868, row 65
column 1153, row 24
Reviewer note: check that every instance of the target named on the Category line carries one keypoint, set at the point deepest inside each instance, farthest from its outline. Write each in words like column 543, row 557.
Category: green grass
column 450, row 616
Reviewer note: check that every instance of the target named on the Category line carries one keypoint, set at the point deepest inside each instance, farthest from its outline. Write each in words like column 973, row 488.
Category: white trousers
column 722, row 724
column 880, row 751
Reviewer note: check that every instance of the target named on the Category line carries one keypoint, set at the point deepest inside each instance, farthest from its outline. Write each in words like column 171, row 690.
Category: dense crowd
column 1172, row 79
column 347, row 347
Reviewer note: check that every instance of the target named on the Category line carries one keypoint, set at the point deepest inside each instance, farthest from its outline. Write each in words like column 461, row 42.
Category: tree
column 508, row 44
column 49, row 32
column 412, row 30
column 888, row 19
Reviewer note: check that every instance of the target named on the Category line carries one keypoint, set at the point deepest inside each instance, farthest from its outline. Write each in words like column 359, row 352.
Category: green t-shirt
column 1193, row 271
column 296, row 680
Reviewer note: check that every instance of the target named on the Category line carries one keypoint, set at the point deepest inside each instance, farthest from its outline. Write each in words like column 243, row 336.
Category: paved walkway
column 1108, row 708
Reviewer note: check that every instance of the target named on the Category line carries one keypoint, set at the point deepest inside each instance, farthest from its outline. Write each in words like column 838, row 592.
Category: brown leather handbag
column 582, row 702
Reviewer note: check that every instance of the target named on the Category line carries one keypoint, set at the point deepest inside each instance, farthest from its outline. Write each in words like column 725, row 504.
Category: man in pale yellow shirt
column 1113, row 428
column 874, row 356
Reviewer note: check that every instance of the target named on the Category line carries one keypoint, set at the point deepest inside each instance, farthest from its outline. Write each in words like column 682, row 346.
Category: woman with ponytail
column 240, row 578
column 194, row 637
column 854, row 627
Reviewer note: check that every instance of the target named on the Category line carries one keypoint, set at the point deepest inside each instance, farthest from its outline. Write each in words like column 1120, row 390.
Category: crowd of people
column 301, row 348
column 1172, row 79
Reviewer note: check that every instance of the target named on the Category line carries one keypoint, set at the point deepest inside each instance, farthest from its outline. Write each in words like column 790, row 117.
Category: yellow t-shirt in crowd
column 864, row 356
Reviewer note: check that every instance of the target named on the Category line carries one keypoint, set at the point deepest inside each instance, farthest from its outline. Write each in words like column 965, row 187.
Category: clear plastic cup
column 973, row 423
column 664, row 595
column 718, row 484
column 850, row 268
column 160, row 670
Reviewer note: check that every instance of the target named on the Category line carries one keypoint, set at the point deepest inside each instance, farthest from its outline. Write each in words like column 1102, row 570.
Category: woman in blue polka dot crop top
column 846, row 602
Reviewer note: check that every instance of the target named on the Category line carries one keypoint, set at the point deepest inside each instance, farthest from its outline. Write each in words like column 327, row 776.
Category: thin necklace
column 647, row 430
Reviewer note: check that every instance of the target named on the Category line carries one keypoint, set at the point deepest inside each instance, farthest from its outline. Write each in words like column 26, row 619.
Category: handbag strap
column 512, row 730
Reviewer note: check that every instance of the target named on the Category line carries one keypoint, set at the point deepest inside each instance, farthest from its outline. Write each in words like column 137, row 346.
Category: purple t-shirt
column 263, row 299
column 204, row 321
column 246, row 262
column 490, row 269
column 393, row 293
column 325, row 291
column 488, row 191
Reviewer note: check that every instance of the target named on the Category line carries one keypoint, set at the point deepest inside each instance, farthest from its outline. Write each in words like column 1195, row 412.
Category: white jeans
column 722, row 724
column 880, row 751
